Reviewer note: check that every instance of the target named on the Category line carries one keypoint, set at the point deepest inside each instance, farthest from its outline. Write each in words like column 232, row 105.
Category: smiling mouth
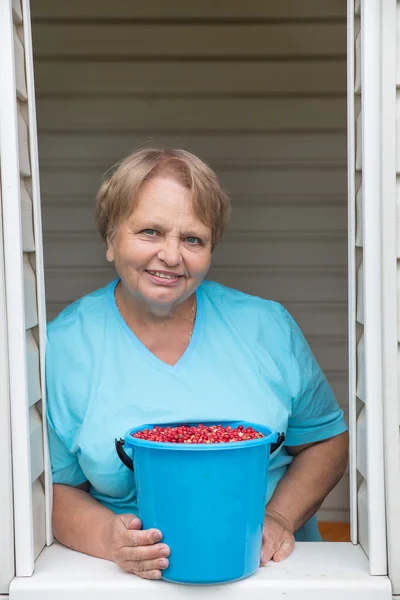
column 164, row 274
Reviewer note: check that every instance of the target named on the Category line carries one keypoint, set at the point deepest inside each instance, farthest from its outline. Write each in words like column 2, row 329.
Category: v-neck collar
column 142, row 348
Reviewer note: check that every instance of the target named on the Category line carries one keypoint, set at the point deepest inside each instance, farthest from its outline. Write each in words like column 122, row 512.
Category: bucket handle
column 128, row 462
column 119, row 446
column 278, row 443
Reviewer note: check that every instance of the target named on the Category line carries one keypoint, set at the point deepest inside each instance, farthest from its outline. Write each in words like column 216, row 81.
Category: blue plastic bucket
column 208, row 500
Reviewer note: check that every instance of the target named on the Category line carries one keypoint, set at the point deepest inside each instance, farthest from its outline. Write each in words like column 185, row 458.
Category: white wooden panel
column 242, row 182
column 180, row 115
column 19, row 58
column 181, row 9
column 199, row 77
column 138, row 40
column 39, row 517
column 357, row 83
column 28, row 242
column 31, row 316
column 390, row 163
column 246, row 217
column 398, row 228
column 398, row 313
column 10, row 180
column 283, row 285
column 363, row 530
column 38, row 256
column 352, row 292
column 23, row 107
column 33, row 369
column 7, row 567
column 398, row 52
column 24, row 162
column 398, row 135
column 360, row 294
column 313, row 571
column 398, row 287
column 274, row 149
column 36, row 442
column 359, row 217
column 372, row 71
column 67, row 250
column 359, row 142
column 362, row 443
column 360, row 370
column 17, row 11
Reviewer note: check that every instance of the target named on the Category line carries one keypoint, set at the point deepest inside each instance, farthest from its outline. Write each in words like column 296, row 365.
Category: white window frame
column 61, row 571
column 390, row 291
column 7, row 566
column 14, row 289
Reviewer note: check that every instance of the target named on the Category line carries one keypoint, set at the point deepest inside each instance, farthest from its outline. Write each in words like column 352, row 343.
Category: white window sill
column 332, row 571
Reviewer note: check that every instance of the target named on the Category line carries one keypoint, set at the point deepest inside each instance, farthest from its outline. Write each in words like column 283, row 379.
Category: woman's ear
column 110, row 252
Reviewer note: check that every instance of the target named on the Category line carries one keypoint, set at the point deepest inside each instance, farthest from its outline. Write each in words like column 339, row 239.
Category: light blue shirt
column 247, row 360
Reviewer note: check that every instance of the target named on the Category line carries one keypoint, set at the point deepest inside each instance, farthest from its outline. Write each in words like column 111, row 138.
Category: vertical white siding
column 371, row 253
column 358, row 308
column 31, row 302
column 7, row 566
column 259, row 91
column 23, row 277
column 398, row 166
column 391, row 191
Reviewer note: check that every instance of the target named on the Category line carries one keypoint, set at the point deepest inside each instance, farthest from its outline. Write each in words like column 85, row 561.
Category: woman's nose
column 170, row 252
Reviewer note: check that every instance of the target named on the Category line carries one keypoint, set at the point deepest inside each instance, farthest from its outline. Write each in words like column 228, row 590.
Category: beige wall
column 258, row 89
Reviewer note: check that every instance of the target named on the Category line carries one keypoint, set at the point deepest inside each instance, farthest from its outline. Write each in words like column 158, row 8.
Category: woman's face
column 162, row 252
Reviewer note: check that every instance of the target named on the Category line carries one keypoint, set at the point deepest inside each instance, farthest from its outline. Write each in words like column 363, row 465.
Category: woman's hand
column 278, row 540
column 135, row 550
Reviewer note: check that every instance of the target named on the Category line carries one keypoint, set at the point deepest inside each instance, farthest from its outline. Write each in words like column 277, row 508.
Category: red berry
column 201, row 434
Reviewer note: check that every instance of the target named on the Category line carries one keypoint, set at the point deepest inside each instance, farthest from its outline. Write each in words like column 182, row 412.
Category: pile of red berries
column 198, row 434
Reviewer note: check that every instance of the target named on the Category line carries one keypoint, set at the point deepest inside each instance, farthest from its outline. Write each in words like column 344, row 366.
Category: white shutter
column 372, row 276
column 24, row 286
column 390, row 272
column 6, row 508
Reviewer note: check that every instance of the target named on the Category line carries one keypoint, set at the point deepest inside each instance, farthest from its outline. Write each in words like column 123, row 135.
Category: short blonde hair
column 119, row 192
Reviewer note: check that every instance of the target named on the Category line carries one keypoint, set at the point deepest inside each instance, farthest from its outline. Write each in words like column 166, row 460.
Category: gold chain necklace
column 192, row 317
column 193, row 312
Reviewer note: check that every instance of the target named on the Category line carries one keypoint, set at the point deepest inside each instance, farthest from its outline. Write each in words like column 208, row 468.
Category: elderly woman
column 159, row 344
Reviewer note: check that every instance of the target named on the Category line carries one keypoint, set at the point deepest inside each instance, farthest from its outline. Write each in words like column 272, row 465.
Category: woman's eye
column 193, row 241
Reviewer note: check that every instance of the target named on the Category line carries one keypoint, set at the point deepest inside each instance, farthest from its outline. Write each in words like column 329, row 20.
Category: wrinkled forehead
column 166, row 200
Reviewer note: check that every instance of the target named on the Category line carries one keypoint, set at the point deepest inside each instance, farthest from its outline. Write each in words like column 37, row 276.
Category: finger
column 267, row 551
column 155, row 574
column 265, row 558
column 284, row 551
column 145, row 552
column 134, row 524
column 142, row 537
column 144, row 566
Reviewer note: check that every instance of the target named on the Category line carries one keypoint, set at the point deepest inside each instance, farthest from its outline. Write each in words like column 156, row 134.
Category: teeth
column 162, row 275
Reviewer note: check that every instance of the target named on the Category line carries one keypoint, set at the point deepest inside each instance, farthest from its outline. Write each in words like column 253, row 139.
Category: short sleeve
column 315, row 415
column 64, row 464
column 60, row 422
